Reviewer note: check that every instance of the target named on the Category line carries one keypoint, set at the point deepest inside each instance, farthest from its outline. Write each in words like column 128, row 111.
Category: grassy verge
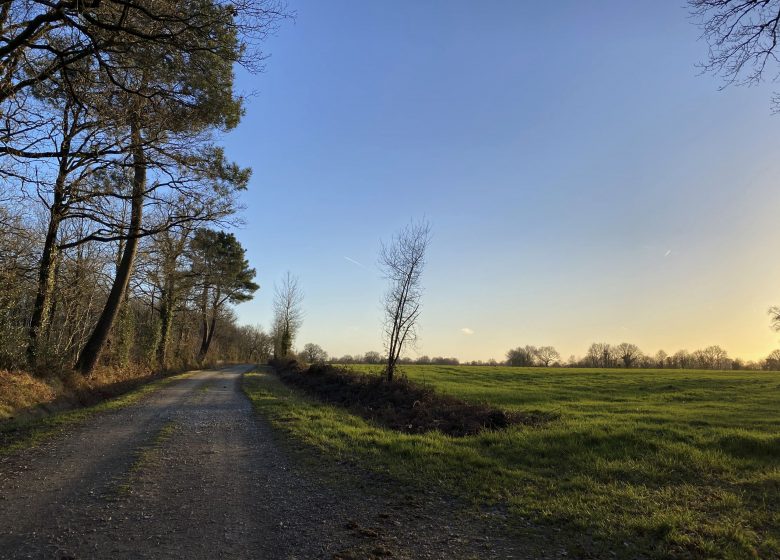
column 18, row 434
column 640, row 463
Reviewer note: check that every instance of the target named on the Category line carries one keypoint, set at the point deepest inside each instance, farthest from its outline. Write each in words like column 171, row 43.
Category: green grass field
column 639, row 463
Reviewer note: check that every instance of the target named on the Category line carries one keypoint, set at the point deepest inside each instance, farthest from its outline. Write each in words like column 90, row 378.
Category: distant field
column 639, row 463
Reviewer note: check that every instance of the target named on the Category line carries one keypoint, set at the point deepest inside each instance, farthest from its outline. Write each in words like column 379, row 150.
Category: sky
column 583, row 180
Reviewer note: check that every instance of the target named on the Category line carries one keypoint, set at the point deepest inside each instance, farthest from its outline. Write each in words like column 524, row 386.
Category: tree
column 682, row 359
column 258, row 343
column 660, row 359
column 222, row 275
column 169, row 280
column 717, row 357
column 742, row 35
column 521, row 356
column 288, row 316
column 442, row 361
column 601, row 354
column 79, row 146
column 774, row 318
column 547, row 354
column 17, row 259
column 711, row 357
column 39, row 39
column 628, row 353
column 372, row 357
column 402, row 261
column 165, row 101
column 772, row 361
column 314, row 354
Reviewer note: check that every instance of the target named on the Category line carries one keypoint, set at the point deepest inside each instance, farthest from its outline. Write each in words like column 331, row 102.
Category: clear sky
column 583, row 180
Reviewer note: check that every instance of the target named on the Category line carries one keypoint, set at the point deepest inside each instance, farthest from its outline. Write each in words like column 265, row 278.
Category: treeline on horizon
column 599, row 355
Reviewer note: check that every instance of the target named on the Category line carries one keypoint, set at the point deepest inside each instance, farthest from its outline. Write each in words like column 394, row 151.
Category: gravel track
column 192, row 472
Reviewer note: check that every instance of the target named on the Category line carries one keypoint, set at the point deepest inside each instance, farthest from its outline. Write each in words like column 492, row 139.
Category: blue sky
column 583, row 180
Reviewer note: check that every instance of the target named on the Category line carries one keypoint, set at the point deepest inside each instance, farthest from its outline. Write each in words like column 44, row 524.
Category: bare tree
column 601, row 354
column 742, row 35
column 288, row 316
column 259, row 343
column 522, row 356
column 547, row 354
column 346, row 359
column 772, row 362
column 314, row 354
column 442, row 361
column 168, row 281
column 774, row 317
column 402, row 262
column 714, row 357
column 628, row 353
column 682, row 359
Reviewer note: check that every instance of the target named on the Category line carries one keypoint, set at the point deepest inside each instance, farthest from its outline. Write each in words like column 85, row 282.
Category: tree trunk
column 43, row 298
column 204, row 322
column 208, row 334
column 91, row 352
column 211, row 333
column 204, row 341
column 166, row 322
column 286, row 342
column 174, row 248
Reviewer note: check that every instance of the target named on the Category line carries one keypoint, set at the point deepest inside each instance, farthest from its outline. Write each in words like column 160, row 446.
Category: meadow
column 637, row 463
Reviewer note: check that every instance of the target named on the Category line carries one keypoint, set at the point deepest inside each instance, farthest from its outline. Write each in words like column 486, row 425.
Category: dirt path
column 190, row 472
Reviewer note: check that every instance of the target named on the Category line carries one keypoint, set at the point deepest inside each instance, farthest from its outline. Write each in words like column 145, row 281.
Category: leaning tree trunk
column 211, row 333
column 47, row 269
column 204, row 324
column 91, row 352
column 205, row 341
column 208, row 334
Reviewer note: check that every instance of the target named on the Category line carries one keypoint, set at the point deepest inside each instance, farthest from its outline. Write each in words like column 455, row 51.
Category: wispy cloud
column 353, row 261
column 467, row 331
column 669, row 252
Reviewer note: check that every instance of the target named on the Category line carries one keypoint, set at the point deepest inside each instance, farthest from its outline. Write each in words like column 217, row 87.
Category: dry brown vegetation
column 23, row 395
column 400, row 404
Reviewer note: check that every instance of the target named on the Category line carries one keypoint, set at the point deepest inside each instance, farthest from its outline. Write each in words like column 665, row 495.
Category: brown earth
column 191, row 472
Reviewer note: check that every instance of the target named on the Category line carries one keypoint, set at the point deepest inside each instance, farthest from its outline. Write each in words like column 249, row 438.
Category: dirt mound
column 400, row 405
